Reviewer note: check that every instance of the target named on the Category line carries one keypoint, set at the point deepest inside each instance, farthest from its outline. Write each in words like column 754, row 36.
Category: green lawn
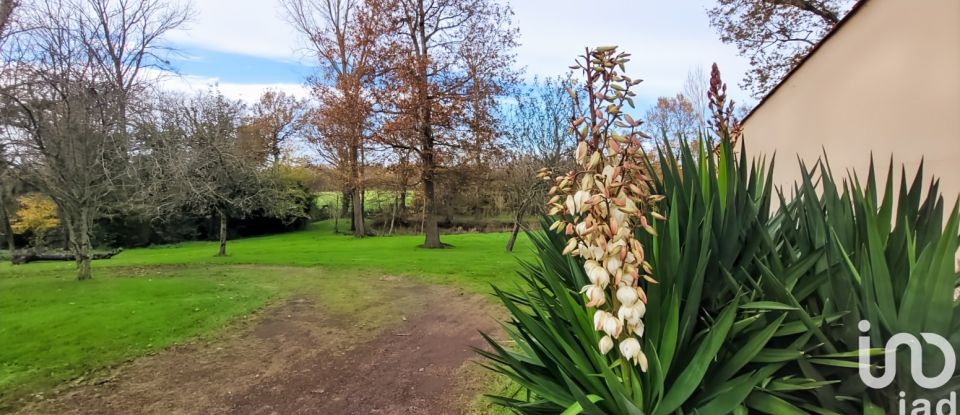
column 373, row 200
column 54, row 329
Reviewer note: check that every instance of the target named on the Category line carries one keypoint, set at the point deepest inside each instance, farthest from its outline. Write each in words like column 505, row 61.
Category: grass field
column 54, row 329
column 373, row 200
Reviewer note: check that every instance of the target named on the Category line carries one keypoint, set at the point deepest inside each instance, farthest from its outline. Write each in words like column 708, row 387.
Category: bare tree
column 672, row 118
column 201, row 166
column 774, row 34
column 695, row 90
column 6, row 179
column 7, row 8
column 539, row 137
column 78, row 62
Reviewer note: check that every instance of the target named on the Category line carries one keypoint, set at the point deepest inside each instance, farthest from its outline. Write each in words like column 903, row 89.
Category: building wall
column 887, row 83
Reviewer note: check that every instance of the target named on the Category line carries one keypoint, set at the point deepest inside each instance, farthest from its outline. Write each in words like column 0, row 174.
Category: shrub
column 36, row 217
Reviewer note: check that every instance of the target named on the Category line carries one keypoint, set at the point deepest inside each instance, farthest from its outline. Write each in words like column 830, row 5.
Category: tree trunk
column 393, row 216
column 513, row 236
column 348, row 206
column 336, row 215
column 223, row 234
column 26, row 256
column 78, row 228
column 359, row 229
column 517, row 220
column 431, row 230
column 356, row 192
column 7, row 229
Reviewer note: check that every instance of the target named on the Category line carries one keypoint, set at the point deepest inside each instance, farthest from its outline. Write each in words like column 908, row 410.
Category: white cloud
column 249, row 27
column 247, row 92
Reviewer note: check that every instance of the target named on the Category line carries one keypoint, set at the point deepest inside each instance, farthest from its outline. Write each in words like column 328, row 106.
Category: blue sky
column 230, row 67
column 246, row 46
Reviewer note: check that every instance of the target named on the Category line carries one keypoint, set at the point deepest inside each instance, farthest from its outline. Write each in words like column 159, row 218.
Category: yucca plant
column 752, row 310
column 716, row 344
column 889, row 260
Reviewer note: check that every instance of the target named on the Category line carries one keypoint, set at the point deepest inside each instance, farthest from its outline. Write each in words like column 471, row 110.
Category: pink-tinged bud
column 614, row 146
column 642, row 361
column 642, row 295
column 595, row 295
column 569, row 229
column 581, row 151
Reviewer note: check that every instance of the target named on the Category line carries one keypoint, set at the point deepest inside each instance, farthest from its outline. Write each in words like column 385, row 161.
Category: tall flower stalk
column 605, row 200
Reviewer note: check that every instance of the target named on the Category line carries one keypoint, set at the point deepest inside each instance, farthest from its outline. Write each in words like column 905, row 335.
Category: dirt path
column 297, row 359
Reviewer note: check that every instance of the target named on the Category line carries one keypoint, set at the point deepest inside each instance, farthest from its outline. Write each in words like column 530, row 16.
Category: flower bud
column 599, row 276
column 606, row 343
column 642, row 361
column 612, row 325
column 630, row 349
column 598, row 318
column 595, row 295
column 627, row 295
column 613, row 265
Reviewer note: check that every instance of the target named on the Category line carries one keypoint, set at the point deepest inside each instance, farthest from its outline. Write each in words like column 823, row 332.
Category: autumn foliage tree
column 276, row 118
column 673, row 118
column 774, row 34
column 36, row 217
column 344, row 36
column 446, row 60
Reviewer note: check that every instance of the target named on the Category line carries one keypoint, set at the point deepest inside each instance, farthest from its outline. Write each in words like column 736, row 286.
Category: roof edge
column 856, row 8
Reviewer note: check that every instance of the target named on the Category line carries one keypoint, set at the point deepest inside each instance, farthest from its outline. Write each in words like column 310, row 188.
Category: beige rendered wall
column 888, row 82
